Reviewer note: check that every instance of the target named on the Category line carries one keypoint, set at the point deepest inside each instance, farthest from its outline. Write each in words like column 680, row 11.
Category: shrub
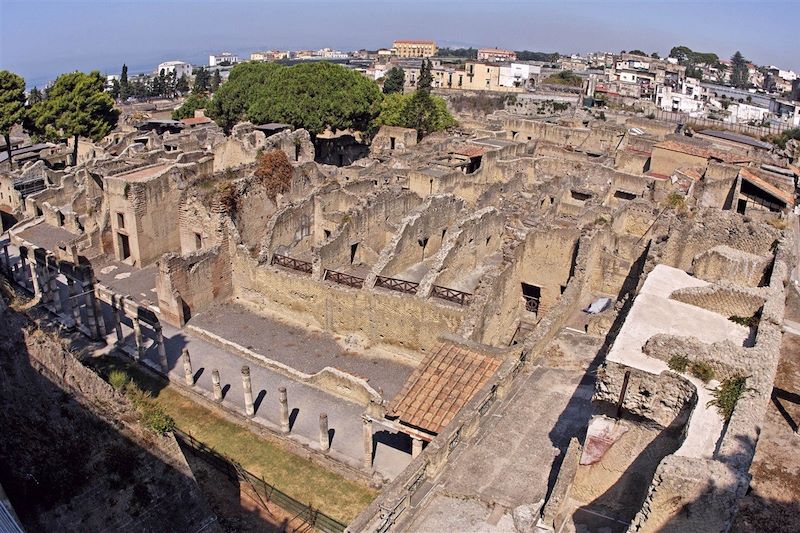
column 702, row 371
column 155, row 418
column 678, row 363
column 275, row 172
column 676, row 200
column 727, row 394
column 118, row 379
column 778, row 223
column 748, row 321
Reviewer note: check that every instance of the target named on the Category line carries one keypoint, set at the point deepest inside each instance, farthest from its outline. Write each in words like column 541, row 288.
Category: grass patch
column 727, row 394
column 678, row 363
column 300, row 478
column 702, row 371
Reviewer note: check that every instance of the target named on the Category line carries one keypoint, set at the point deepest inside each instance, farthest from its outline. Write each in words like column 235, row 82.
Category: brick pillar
column 324, row 440
column 55, row 294
column 284, row 410
column 188, row 376
column 137, row 335
column 91, row 312
column 162, row 349
column 367, row 424
column 6, row 258
column 249, row 409
column 416, row 447
column 215, row 385
column 72, row 302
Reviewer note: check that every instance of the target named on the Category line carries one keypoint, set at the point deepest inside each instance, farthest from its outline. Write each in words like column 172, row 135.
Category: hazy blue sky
column 40, row 39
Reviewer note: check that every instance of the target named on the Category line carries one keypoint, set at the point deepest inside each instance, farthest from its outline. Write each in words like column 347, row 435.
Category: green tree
column 394, row 81
column 637, row 52
column 76, row 106
column 114, row 92
column 425, row 77
column 124, row 87
column 739, row 70
column 192, row 103
column 232, row 100
column 655, row 55
column 202, row 81
column 182, row 85
column 35, row 96
column 12, row 105
column 316, row 96
column 216, row 81
column 419, row 110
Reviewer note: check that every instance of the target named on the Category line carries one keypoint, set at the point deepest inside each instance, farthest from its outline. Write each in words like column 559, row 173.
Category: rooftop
column 143, row 174
column 735, row 137
column 441, row 385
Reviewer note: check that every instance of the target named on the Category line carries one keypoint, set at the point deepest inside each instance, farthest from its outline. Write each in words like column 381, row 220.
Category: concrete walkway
column 391, row 450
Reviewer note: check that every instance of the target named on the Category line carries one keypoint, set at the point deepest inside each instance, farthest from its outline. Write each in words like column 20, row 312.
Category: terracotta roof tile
column 441, row 385
column 764, row 185
column 700, row 151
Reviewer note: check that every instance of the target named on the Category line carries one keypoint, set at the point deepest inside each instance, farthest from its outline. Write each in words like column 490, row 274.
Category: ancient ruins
column 528, row 320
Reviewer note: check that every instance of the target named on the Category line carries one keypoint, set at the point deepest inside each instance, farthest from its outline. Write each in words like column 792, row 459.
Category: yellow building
column 412, row 48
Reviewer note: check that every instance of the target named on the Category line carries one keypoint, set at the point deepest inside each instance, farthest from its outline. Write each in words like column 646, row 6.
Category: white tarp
column 598, row 306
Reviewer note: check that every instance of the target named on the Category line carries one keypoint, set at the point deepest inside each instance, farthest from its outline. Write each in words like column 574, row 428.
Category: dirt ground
column 773, row 503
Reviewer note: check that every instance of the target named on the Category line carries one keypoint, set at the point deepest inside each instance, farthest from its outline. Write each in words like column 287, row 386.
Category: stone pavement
column 391, row 450
column 480, row 487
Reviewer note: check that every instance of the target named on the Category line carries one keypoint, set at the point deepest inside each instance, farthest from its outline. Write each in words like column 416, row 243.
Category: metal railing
column 291, row 262
column 344, row 279
column 399, row 285
column 451, row 295
column 263, row 491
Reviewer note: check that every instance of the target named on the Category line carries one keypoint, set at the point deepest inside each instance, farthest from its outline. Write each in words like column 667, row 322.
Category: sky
column 40, row 39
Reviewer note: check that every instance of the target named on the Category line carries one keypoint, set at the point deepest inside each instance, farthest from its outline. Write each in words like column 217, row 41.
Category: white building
column 517, row 74
column 686, row 97
column 224, row 57
column 744, row 113
column 180, row 68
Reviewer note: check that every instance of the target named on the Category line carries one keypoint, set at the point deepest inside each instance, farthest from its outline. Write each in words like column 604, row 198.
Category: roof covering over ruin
column 441, row 385
column 749, row 176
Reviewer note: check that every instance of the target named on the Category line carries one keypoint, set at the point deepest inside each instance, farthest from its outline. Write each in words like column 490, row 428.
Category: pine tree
column 425, row 77
column 12, row 105
column 216, row 80
column 739, row 70
column 201, row 81
column 124, row 86
column 182, row 85
column 35, row 96
column 76, row 106
column 395, row 79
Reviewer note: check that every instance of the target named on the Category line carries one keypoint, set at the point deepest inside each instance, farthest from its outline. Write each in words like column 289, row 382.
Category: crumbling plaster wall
column 242, row 146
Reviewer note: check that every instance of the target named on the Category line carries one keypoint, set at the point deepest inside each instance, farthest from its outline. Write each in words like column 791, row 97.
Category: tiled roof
column 469, row 151
column 441, row 385
column 767, row 187
column 700, row 151
column 193, row 121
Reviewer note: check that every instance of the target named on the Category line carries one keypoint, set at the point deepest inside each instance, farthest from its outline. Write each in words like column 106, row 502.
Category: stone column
column 137, row 335
column 324, row 440
column 284, row 409
column 416, row 447
column 187, row 368
column 162, row 349
column 118, row 311
column 367, row 423
column 42, row 282
column 22, row 268
column 216, row 386
column 249, row 410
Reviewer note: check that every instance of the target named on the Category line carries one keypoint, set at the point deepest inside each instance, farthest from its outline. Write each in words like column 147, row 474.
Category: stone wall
column 724, row 298
column 404, row 138
column 242, row 146
column 726, row 263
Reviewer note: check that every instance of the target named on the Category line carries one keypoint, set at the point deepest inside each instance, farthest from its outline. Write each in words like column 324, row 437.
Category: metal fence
column 263, row 491
column 399, row 285
column 703, row 122
column 291, row 262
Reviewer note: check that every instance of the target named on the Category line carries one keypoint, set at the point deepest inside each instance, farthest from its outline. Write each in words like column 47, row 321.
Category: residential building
column 518, row 74
column 267, row 55
column 496, row 54
column 180, row 68
column 646, row 74
column 414, row 48
column 225, row 57
column 686, row 97
column 574, row 62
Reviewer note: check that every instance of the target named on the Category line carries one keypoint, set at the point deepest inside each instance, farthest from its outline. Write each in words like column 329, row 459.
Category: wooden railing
column 399, row 285
column 451, row 295
column 344, row 279
column 290, row 262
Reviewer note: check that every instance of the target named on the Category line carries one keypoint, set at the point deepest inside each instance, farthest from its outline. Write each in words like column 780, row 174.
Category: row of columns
column 249, row 407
